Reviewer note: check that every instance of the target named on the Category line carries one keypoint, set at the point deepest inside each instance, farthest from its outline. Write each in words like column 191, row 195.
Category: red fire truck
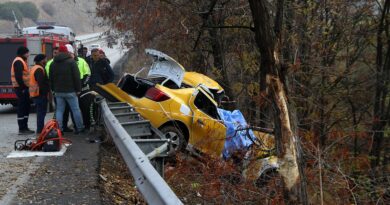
column 41, row 42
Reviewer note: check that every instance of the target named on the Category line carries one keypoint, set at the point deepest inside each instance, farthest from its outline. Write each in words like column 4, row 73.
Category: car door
column 208, row 133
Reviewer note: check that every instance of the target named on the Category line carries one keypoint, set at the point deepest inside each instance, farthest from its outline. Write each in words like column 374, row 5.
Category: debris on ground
column 194, row 180
column 116, row 183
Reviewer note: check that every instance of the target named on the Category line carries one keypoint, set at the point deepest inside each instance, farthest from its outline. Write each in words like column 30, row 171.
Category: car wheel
column 176, row 136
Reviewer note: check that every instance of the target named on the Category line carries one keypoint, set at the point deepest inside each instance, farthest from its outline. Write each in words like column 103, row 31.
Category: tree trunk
column 302, row 57
column 267, row 43
column 381, row 109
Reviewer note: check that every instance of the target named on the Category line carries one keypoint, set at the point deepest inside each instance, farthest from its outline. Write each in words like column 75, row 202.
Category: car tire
column 178, row 141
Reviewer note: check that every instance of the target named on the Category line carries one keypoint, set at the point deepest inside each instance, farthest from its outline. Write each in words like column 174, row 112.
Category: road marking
column 25, row 153
column 13, row 190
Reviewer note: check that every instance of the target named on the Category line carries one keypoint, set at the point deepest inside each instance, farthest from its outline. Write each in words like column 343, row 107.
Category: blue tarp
column 235, row 140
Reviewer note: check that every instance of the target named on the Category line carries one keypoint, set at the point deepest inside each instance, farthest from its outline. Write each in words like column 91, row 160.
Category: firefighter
column 20, row 79
column 39, row 89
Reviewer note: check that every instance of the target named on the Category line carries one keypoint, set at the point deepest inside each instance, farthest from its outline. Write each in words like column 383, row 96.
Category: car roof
column 194, row 79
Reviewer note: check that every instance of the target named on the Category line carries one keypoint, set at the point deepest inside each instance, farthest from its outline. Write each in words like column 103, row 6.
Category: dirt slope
column 79, row 15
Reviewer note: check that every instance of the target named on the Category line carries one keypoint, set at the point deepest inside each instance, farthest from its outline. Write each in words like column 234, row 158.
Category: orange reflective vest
column 33, row 84
column 26, row 73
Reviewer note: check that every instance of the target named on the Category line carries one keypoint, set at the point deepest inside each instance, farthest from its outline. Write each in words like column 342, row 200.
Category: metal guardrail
column 130, row 135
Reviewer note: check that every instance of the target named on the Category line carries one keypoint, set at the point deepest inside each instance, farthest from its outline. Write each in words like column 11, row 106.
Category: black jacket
column 64, row 74
column 18, row 69
column 101, row 72
column 43, row 82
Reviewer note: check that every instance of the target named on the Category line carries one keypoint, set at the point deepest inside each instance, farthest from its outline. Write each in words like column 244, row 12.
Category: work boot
column 26, row 131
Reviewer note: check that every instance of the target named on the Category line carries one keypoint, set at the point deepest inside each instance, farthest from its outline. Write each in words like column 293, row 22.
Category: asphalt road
column 33, row 180
column 13, row 172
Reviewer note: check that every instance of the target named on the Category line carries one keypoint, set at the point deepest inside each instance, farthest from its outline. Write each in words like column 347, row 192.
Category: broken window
column 203, row 103
column 136, row 87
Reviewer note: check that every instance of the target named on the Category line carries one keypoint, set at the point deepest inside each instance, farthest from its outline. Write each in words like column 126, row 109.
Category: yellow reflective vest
column 33, row 85
column 26, row 73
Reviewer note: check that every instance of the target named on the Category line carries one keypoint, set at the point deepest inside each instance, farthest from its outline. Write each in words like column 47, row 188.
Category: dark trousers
column 41, row 107
column 23, row 107
column 86, row 101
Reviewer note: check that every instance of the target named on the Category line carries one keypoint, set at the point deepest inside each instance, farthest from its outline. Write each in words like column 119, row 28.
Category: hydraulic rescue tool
column 50, row 139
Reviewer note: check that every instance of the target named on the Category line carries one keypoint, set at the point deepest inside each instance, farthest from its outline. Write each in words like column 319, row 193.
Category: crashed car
column 184, row 107
column 183, row 111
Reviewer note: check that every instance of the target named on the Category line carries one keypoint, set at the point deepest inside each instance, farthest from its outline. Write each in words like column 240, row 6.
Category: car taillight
column 156, row 95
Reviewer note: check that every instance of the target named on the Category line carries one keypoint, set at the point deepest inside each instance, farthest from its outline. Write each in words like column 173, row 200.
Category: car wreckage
column 185, row 107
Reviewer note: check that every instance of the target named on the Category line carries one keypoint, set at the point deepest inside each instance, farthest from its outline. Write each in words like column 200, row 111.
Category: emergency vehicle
column 39, row 39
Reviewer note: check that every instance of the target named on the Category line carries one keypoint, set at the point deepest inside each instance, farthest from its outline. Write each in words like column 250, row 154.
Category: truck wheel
column 178, row 141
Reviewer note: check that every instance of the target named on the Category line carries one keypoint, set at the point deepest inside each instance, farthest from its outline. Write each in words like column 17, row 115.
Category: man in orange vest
column 39, row 89
column 20, row 79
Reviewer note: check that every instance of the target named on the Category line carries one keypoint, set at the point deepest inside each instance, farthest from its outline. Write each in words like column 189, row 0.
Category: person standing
column 82, row 51
column 85, row 101
column 65, row 117
column 101, row 71
column 39, row 89
column 47, row 67
column 83, row 66
column 20, row 79
column 84, row 74
column 85, row 52
column 65, row 82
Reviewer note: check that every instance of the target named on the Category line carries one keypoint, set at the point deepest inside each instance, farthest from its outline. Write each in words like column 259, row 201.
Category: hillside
column 79, row 15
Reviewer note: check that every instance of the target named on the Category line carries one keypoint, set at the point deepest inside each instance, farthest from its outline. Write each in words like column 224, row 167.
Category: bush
column 48, row 8
column 24, row 9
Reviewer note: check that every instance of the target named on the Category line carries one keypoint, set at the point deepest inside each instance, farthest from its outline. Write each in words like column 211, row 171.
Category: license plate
column 6, row 90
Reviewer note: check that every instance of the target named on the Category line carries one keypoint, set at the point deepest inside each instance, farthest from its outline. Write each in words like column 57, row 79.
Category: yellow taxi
column 181, row 104
column 184, row 107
